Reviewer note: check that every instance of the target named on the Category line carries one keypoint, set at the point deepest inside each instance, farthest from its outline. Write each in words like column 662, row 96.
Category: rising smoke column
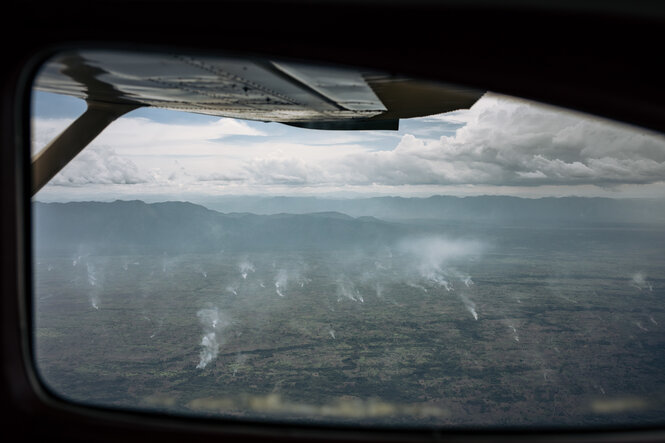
column 639, row 280
column 432, row 257
column 378, row 288
column 417, row 286
column 469, row 305
column 464, row 278
column 346, row 289
column 512, row 327
column 213, row 322
column 246, row 267
column 199, row 270
column 281, row 281
column 239, row 362
column 94, row 280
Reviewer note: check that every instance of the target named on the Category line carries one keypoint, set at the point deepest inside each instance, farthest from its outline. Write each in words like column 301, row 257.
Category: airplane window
column 279, row 251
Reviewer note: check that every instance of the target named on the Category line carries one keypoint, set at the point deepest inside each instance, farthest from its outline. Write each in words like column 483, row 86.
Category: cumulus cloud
column 100, row 165
column 112, row 157
column 289, row 170
column 515, row 142
column 142, row 136
column 504, row 141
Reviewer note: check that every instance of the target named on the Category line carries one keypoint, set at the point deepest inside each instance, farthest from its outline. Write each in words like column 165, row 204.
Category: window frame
column 35, row 410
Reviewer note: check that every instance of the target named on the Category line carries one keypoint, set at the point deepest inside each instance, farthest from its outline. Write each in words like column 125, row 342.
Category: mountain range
column 133, row 227
column 488, row 209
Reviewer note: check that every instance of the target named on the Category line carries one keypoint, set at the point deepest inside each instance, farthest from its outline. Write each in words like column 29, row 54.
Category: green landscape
column 326, row 317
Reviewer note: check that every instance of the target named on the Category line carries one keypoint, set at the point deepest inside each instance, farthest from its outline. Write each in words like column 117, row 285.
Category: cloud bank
column 100, row 165
column 514, row 142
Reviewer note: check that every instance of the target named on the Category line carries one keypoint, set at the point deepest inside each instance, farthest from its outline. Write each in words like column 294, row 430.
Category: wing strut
column 77, row 136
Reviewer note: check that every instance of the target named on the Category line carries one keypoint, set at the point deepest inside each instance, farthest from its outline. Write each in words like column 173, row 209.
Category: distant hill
column 488, row 209
column 136, row 227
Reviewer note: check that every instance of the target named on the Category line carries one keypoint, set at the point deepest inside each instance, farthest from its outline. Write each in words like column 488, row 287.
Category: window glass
column 502, row 265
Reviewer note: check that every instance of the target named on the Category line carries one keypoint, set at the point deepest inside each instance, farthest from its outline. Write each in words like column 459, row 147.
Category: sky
column 500, row 146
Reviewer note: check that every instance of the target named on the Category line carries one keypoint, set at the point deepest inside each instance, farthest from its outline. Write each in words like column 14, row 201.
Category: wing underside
column 252, row 89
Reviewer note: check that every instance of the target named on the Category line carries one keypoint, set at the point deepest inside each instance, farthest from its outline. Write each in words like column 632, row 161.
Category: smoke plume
column 213, row 322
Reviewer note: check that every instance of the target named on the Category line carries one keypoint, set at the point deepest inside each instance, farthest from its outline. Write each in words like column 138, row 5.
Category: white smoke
column 92, row 274
column 126, row 264
column 435, row 252
column 159, row 323
column 213, row 322
column 346, row 289
column 281, row 280
column 232, row 289
column 464, row 278
column 209, row 351
column 439, row 279
column 245, row 268
column 380, row 266
column 433, row 255
column 239, row 363
column 639, row 280
column 171, row 264
column 417, row 286
column 199, row 270
column 371, row 279
column 433, row 258
column 469, row 305
column 94, row 280
column 378, row 287
column 512, row 327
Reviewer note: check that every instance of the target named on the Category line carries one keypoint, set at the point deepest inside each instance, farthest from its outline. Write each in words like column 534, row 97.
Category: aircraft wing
column 320, row 97
column 298, row 94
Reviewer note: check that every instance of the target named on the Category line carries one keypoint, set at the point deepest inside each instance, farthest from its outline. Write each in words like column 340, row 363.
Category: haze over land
column 480, row 209
column 295, row 223
column 537, row 315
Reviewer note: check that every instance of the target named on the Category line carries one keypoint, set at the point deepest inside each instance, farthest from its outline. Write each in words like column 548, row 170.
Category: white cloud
column 515, row 142
column 140, row 136
column 289, row 170
column 138, row 132
column 99, row 165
